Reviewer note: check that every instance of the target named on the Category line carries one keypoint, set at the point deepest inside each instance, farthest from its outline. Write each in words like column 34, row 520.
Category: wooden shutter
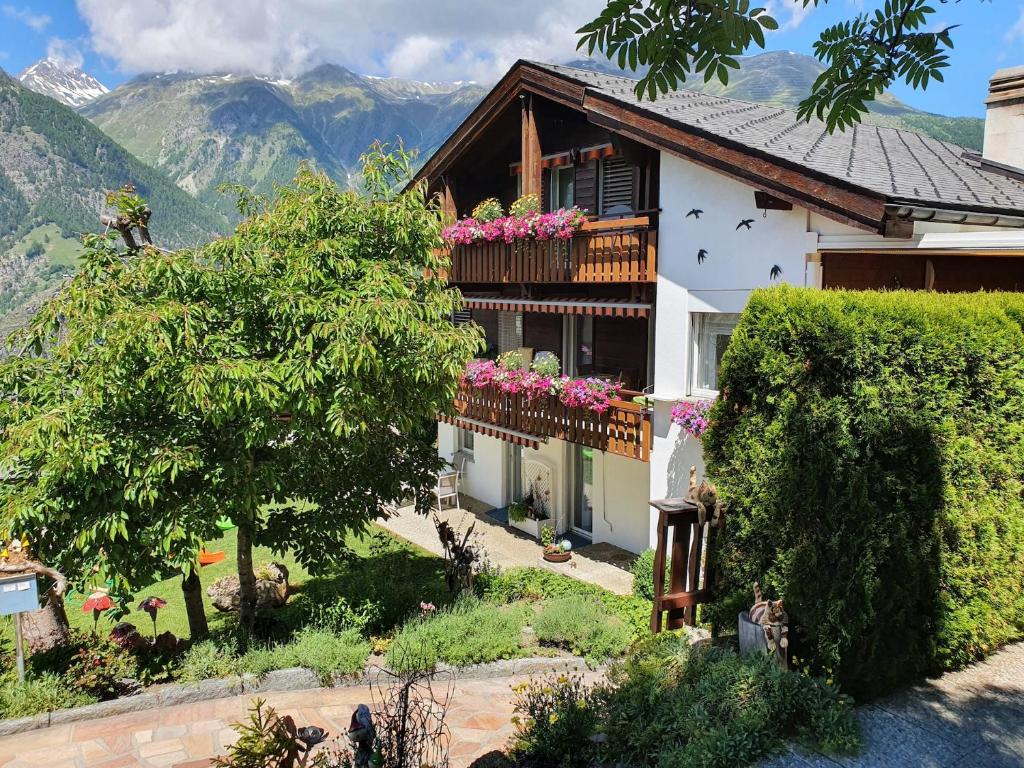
column 586, row 186
column 617, row 185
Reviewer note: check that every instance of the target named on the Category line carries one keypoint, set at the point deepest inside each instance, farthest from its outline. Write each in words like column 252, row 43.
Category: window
column 465, row 442
column 711, row 334
column 563, row 187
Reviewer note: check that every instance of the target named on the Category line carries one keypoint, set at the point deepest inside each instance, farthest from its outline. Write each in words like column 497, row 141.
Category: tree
column 677, row 39
column 273, row 377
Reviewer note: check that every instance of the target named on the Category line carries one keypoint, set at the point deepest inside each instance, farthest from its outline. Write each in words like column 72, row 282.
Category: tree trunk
column 47, row 628
column 246, row 582
column 192, row 591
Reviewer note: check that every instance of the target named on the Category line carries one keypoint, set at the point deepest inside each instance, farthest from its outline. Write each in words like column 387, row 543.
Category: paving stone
column 154, row 748
column 891, row 742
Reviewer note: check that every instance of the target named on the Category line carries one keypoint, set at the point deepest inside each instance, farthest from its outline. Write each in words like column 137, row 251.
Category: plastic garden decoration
column 151, row 605
column 97, row 602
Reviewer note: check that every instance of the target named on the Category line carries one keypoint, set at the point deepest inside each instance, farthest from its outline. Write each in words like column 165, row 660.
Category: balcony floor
column 602, row 564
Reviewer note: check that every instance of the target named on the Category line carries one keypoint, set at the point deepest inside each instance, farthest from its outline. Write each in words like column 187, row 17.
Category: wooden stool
column 690, row 579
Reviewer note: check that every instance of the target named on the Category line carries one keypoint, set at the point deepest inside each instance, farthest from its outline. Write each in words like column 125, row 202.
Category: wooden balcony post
column 532, row 172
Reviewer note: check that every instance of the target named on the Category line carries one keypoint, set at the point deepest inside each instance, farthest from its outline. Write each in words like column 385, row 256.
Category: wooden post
column 448, row 207
column 532, row 171
column 19, row 643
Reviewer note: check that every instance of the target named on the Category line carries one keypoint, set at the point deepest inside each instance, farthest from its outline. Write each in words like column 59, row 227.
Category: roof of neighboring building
column 901, row 165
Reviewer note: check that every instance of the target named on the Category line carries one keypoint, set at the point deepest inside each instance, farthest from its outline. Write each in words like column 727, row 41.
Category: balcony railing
column 623, row 429
column 617, row 251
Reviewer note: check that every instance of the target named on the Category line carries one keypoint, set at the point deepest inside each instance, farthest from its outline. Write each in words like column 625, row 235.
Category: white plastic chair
column 448, row 483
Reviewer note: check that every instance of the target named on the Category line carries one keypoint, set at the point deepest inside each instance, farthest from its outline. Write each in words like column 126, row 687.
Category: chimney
column 1004, row 118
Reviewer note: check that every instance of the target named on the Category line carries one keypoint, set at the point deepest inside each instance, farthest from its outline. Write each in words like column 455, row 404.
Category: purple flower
column 691, row 416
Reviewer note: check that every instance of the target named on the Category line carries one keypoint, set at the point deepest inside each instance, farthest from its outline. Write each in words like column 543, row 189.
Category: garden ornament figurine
column 774, row 622
column 362, row 735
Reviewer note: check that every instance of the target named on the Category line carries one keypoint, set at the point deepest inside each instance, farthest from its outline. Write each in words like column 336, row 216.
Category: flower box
column 532, row 527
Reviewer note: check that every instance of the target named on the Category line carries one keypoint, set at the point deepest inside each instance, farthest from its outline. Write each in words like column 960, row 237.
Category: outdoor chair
column 448, row 483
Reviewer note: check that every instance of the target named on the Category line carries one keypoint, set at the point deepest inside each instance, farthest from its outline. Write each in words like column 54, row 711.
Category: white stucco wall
column 621, row 489
column 483, row 476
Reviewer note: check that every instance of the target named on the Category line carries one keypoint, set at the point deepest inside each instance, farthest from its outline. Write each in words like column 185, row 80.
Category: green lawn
column 388, row 570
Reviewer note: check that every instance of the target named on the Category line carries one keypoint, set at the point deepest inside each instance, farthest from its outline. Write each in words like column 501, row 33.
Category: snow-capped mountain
column 61, row 81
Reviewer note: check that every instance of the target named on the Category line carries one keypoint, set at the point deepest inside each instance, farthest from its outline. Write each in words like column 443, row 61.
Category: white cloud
column 35, row 21
column 425, row 39
column 789, row 13
column 65, row 51
column 1016, row 33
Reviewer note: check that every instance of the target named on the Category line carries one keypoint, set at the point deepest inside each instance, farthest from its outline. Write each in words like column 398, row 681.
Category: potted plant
column 554, row 551
column 529, row 515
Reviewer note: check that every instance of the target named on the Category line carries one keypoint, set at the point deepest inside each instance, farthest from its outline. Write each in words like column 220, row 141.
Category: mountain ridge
column 64, row 82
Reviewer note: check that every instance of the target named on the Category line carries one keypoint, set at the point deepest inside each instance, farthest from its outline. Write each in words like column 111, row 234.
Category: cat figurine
column 709, row 509
column 774, row 621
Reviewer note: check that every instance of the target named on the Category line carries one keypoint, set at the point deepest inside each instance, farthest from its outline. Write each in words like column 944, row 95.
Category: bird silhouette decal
column 701, row 255
column 745, row 223
column 775, row 272
column 695, row 212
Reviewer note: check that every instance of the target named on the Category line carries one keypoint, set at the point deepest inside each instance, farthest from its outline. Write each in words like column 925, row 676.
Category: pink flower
column 692, row 416
column 562, row 224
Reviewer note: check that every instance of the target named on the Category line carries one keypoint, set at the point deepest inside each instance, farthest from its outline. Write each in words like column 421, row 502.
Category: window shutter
column 462, row 316
column 617, row 189
column 586, row 186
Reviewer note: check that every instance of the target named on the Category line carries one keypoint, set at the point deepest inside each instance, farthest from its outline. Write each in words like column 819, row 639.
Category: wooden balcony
column 617, row 251
column 624, row 429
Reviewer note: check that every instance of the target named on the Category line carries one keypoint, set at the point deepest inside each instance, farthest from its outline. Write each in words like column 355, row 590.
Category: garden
column 390, row 601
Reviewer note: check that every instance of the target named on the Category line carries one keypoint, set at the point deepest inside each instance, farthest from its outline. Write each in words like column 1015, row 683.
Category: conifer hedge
column 871, row 448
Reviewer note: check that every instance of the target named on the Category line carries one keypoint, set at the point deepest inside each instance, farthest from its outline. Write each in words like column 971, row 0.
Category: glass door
column 583, row 490
column 513, row 473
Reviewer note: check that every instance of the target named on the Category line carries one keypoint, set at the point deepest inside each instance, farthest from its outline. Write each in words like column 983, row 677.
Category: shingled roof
column 900, row 165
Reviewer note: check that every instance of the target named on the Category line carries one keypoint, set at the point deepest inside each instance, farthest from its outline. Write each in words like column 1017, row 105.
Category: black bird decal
column 695, row 212
column 701, row 255
column 776, row 271
column 745, row 223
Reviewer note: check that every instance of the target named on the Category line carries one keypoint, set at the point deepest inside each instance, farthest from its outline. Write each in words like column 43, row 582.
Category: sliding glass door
column 583, row 490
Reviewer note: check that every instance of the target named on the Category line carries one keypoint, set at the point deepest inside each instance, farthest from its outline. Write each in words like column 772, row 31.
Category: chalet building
column 694, row 201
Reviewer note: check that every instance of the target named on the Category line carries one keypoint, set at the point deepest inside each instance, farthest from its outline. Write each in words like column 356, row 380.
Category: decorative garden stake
column 151, row 605
column 98, row 602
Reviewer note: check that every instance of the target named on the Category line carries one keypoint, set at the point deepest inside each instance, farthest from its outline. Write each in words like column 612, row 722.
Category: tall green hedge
column 871, row 447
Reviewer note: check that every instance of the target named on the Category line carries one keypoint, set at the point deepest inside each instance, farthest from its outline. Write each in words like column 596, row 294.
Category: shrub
column 44, row 693
column 671, row 706
column 554, row 720
column 209, row 659
column 102, row 669
column 871, row 449
column 469, row 632
column 643, row 574
column 488, row 210
column 583, row 627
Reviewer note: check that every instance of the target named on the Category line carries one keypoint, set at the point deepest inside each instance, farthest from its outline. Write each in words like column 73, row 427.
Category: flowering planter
column 557, row 557
column 531, row 526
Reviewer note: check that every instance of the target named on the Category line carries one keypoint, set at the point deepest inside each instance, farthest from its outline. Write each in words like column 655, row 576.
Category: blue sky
column 426, row 39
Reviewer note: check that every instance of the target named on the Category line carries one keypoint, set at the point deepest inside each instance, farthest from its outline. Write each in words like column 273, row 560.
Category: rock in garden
column 271, row 589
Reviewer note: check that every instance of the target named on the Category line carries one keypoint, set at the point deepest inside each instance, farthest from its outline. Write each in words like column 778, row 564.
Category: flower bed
column 593, row 394
column 557, row 225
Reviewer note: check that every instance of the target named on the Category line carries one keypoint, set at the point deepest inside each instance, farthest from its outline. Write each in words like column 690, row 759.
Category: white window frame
column 555, row 186
column 460, row 442
column 698, row 323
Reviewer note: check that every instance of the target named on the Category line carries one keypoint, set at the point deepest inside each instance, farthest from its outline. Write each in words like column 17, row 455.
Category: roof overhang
column 831, row 197
column 841, row 202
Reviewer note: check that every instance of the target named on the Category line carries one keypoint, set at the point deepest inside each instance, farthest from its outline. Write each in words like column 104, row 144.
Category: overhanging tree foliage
column 674, row 40
column 273, row 377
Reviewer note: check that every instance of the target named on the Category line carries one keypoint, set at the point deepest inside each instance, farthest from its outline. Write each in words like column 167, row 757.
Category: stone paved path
column 973, row 718
column 968, row 719
column 601, row 564
column 479, row 718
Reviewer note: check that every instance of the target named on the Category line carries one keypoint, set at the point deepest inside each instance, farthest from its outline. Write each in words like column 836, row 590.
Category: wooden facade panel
column 939, row 272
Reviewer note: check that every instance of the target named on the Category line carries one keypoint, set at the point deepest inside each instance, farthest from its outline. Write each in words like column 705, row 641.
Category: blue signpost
column 19, row 593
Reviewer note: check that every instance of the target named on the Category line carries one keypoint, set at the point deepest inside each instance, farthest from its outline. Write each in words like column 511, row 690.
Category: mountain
column 784, row 78
column 61, row 81
column 55, row 167
column 205, row 130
